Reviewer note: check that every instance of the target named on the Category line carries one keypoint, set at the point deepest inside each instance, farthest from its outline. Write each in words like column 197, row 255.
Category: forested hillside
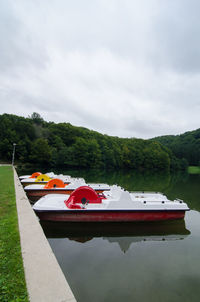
column 185, row 146
column 51, row 144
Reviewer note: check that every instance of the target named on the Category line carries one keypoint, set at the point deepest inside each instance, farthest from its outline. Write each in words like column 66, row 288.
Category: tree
column 40, row 152
column 93, row 154
column 80, row 151
column 37, row 119
column 63, row 144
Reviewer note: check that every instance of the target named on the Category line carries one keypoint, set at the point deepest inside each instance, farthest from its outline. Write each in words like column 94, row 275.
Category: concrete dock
column 44, row 277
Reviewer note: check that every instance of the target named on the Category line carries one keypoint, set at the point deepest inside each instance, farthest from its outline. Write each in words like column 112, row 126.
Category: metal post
column 13, row 155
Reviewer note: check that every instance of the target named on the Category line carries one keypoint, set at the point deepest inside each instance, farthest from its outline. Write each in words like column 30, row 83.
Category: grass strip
column 194, row 170
column 12, row 279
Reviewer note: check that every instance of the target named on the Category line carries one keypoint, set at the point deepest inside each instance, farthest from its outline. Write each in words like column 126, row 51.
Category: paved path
column 44, row 277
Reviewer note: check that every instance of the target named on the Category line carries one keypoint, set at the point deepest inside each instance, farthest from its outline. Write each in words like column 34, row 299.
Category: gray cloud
column 176, row 34
column 124, row 68
column 18, row 48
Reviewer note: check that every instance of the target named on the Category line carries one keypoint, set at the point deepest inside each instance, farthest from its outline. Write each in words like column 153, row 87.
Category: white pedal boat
column 36, row 174
column 85, row 205
column 57, row 186
column 43, row 179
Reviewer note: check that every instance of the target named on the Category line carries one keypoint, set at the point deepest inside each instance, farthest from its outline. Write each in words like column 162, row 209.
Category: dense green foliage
column 12, row 281
column 185, row 146
column 47, row 143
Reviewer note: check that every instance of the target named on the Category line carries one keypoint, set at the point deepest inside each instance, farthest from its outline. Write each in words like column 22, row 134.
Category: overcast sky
column 121, row 67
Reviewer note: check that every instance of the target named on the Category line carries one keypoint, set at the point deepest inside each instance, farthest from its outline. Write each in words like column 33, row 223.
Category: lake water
column 134, row 262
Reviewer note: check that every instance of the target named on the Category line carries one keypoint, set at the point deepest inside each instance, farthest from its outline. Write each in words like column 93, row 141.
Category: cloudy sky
column 121, row 67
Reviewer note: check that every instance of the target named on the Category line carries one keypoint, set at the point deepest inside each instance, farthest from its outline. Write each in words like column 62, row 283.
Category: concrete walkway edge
column 44, row 278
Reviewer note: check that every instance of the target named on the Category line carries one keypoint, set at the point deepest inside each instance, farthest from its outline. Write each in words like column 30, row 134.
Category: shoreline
column 44, row 278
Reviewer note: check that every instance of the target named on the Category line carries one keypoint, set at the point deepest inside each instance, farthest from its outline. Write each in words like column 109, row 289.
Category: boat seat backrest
column 42, row 177
column 54, row 183
column 85, row 192
column 35, row 175
column 124, row 201
column 116, row 191
column 71, row 204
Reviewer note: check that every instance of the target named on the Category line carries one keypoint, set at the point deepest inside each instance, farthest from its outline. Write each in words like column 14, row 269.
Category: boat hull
column 24, row 184
column 34, row 195
column 110, row 215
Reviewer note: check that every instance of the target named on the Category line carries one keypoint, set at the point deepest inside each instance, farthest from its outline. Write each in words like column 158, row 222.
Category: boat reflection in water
column 124, row 234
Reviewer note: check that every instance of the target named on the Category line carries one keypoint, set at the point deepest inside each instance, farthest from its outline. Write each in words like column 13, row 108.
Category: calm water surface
column 134, row 262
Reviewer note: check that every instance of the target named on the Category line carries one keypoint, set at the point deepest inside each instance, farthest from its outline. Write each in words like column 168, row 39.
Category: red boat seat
column 70, row 203
column 54, row 183
column 82, row 193
column 35, row 175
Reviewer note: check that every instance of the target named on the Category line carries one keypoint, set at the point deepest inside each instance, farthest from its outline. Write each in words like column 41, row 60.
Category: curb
column 44, row 278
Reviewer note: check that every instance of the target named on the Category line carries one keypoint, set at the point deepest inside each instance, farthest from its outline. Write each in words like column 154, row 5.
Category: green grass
column 194, row 170
column 12, row 280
